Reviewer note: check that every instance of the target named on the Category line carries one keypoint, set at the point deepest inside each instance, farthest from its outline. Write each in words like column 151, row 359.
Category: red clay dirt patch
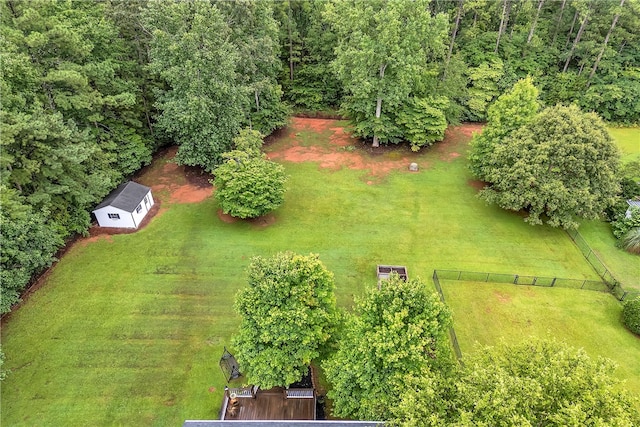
column 226, row 217
column 478, row 185
column 173, row 183
column 334, row 153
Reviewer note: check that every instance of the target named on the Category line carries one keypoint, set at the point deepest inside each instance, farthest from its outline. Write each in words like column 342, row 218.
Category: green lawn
column 129, row 330
column 628, row 139
column 624, row 266
column 484, row 313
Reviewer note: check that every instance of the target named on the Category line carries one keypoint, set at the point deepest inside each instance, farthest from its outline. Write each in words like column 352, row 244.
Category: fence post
column 487, row 279
column 535, row 279
column 515, row 280
column 583, row 283
column 459, row 274
column 553, row 282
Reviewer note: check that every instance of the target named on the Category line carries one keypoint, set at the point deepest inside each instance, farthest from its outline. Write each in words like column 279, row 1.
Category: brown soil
column 343, row 151
column 478, row 185
column 171, row 183
column 504, row 298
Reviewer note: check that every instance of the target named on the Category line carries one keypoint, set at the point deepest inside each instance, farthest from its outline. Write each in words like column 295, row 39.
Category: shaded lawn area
column 624, row 266
column 628, row 139
column 484, row 313
column 129, row 329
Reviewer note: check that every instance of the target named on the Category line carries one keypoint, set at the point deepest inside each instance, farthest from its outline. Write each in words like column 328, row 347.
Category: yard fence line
column 452, row 332
column 519, row 279
column 614, row 286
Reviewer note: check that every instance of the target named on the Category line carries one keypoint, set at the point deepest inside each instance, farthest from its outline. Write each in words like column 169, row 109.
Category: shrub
column 622, row 225
column 630, row 242
column 631, row 315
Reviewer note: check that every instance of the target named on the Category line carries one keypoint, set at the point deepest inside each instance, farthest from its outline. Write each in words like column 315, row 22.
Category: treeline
column 90, row 90
column 577, row 51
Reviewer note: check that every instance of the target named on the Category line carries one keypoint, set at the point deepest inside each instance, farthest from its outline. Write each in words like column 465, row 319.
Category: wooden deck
column 270, row 405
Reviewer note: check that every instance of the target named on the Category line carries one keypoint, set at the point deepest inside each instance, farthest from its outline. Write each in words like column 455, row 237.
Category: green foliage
column 483, row 88
column 623, row 224
column 28, row 246
column 395, row 331
column 631, row 315
column 3, row 372
column 561, row 166
column 511, row 111
column 534, row 383
column 288, row 313
column 383, row 49
column 202, row 107
column 630, row 242
column 307, row 49
column 423, row 121
column 254, row 33
column 72, row 125
column 247, row 184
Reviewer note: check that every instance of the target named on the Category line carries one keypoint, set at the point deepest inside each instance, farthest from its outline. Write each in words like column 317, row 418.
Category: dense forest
column 90, row 90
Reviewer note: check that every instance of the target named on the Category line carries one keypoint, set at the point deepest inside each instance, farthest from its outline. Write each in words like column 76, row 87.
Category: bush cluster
column 631, row 315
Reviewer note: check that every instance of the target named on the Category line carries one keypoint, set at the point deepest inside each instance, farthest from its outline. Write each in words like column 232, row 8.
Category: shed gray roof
column 634, row 203
column 126, row 197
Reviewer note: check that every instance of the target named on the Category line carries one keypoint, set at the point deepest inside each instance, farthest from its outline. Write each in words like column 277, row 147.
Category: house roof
column 126, row 197
column 635, row 203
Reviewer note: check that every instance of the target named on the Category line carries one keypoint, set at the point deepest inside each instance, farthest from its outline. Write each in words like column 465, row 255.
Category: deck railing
column 300, row 393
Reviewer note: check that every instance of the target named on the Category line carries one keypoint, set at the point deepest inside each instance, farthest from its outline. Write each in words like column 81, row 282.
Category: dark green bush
column 631, row 315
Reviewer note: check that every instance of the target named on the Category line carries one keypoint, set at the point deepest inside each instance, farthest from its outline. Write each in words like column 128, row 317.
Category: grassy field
column 625, row 266
column 129, row 329
column 485, row 313
column 628, row 139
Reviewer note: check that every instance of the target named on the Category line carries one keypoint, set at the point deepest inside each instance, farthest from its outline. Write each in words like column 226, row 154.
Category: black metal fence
column 452, row 332
column 614, row 286
column 517, row 279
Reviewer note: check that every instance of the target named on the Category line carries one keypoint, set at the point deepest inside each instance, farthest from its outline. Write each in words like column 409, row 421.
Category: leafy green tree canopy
column 530, row 384
column 288, row 314
column 383, row 49
column 248, row 185
column 561, row 166
column 395, row 331
column 202, row 107
column 511, row 110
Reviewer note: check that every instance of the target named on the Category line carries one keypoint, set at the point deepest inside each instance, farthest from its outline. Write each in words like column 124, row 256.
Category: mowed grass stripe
column 485, row 313
column 161, row 300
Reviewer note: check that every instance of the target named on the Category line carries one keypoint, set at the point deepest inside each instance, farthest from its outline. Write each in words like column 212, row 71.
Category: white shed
column 125, row 207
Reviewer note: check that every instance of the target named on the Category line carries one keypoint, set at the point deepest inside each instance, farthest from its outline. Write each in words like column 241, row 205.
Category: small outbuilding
column 125, row 207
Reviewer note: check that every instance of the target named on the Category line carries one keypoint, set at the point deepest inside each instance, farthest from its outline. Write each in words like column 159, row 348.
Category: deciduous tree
column 394, row 332
column 202, row 107
column 383, row 48
column 510, row 111
column 288, row 313
column 248, row 185
column 560, row 167
column 529, row 384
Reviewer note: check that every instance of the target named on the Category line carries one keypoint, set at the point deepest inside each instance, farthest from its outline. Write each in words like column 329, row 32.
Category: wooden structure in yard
column 385, row 271
column 251, row 403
